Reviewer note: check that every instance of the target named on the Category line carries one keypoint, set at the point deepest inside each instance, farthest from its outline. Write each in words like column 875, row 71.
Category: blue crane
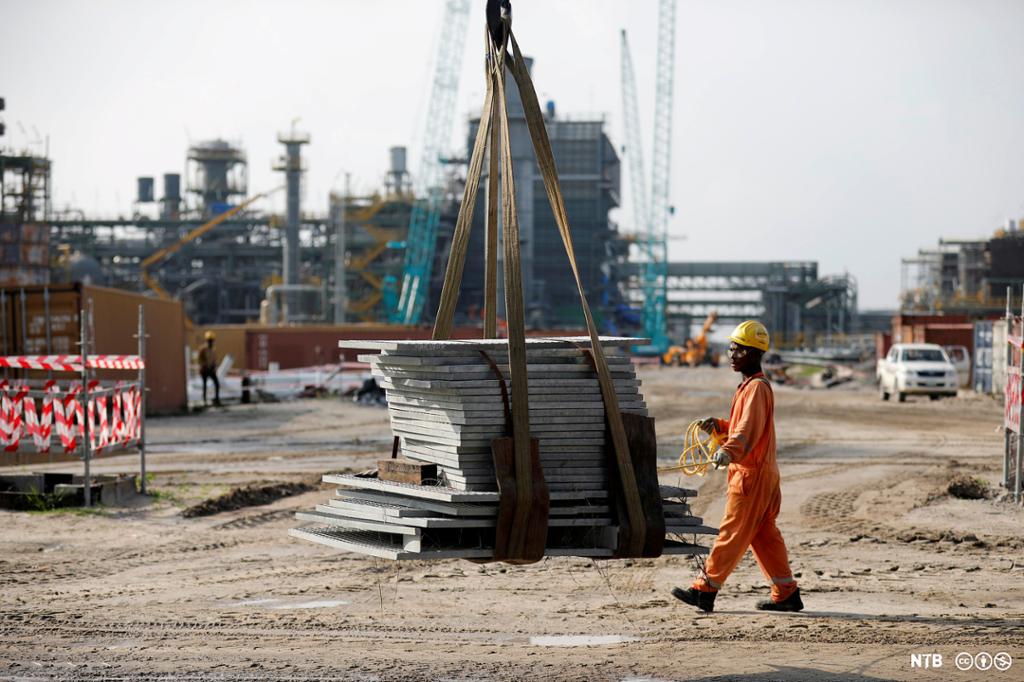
column 652, row 218
column 420, row 243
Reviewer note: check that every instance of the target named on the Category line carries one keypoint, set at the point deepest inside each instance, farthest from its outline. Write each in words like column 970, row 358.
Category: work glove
column 721, row 459
column 709, row 425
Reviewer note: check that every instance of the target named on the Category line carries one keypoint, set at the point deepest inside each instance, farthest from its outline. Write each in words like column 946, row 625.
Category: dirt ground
column 889, row 565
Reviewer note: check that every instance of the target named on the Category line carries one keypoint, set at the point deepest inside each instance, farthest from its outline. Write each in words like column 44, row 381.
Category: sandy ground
column 889, row 565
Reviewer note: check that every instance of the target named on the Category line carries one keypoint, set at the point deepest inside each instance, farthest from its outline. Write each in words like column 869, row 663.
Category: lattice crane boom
column 634, row 146
column 656, row 265
column 422, row 236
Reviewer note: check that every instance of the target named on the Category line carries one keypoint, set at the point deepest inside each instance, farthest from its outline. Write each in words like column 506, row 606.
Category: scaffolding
column 24, row 211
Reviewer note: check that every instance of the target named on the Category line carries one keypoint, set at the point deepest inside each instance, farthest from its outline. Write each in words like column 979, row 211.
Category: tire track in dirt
column 112, row 561
column 35, row 627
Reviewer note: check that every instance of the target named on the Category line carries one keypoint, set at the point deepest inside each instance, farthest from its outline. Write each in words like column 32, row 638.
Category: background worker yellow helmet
column 209, row 336
column 751, row 333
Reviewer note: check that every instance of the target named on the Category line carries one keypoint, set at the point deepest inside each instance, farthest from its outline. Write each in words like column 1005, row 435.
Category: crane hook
column 499, row 20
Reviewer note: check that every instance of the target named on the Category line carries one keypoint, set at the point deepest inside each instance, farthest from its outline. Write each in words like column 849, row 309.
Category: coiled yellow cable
column 699, row 448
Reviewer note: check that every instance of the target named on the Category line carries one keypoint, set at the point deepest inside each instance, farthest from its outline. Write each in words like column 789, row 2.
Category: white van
column 916, row 369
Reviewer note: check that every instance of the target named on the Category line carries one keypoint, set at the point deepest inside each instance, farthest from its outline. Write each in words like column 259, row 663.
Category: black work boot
column 790, row 603
column 705, row 601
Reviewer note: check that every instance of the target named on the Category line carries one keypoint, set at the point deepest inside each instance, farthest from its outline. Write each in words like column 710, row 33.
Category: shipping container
column 50, row 326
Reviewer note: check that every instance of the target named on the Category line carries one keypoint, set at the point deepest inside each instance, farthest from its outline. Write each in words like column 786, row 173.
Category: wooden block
column 643, row 451
column 406, row 471
column 513, row 542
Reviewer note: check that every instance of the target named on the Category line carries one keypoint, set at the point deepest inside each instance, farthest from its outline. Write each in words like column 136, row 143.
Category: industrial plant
column 194, row 236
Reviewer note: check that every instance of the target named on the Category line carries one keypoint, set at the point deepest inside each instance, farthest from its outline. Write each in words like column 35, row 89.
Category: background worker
column 754, row 496
column 208, row 367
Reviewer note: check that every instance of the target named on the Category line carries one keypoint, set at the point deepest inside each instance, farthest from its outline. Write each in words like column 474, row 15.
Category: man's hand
column 721, row 459
column 709, row 425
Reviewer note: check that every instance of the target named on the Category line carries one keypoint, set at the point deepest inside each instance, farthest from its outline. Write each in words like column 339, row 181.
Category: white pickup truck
column 916, row 369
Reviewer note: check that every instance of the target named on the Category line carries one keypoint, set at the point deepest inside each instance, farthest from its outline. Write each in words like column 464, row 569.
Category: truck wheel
column 934, row 397
column 901, row 396
column 882, row 392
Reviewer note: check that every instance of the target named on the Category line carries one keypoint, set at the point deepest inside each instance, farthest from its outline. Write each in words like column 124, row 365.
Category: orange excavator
column 696, row 351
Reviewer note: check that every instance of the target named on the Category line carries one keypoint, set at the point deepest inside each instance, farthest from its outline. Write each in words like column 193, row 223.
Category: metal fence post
column 1020, row 408
column 49, row 326
column 3, row 322
column 24, row 328
column 1009, row 362
column 86, row 449
column 142, row 399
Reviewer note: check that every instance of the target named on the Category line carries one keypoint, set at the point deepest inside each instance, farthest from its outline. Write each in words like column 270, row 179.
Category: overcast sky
column 851, row 133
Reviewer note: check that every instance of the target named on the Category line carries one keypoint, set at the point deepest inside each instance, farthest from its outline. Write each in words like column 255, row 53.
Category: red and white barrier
column 71, row 363
column 114, row 413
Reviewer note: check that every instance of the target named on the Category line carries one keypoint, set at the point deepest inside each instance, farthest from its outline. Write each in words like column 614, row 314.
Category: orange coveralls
column 754, row 496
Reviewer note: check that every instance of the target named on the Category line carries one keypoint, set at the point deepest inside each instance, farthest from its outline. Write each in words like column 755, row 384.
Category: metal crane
column 653, row 218
column 426, row 211
column 634, row 147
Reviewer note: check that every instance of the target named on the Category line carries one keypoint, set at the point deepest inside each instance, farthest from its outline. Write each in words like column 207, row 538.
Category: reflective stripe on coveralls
column 754, row 496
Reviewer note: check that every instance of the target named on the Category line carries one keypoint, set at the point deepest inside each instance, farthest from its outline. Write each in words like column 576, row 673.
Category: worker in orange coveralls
column 754, row 495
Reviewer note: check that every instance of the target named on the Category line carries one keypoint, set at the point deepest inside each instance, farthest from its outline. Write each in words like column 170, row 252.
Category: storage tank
column 172, row 187
column 397, row 174
column 145, row 195
column 398, row 159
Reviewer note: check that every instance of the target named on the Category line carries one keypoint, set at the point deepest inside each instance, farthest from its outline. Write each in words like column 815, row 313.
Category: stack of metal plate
column 446, row 405
column 405, row 521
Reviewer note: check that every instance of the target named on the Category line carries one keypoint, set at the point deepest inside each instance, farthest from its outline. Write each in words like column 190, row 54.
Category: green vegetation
column 44, row 502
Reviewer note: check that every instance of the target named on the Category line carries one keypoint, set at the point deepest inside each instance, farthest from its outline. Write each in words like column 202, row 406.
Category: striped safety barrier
column 114, row 415
column 71, row 363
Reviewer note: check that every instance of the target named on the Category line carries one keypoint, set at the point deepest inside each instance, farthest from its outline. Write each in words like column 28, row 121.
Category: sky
column 850, row 133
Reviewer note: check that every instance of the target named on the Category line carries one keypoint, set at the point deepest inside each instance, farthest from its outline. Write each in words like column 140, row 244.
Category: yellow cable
column 698, row 450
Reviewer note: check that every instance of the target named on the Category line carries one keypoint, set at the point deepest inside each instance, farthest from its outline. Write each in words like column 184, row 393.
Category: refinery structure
column 290, row 269
column 964, row 276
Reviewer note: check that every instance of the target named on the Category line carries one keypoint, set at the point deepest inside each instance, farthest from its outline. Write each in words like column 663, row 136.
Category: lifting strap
column 493, row 128
column 546, row 163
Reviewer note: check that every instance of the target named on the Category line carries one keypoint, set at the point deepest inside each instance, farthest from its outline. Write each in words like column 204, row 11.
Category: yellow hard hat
column 751, row 333
column 209, row 336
